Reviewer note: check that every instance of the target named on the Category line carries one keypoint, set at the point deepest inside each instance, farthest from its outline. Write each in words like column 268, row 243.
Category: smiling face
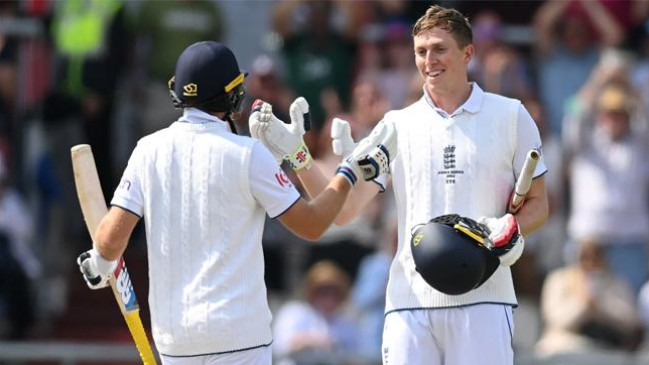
column 441, row 62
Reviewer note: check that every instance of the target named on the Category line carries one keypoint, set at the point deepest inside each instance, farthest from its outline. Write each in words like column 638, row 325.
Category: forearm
column 310, row 219
column 313, row 180
column 544, row 22
column 534, row 211
column 608, row 28
column 113, row 233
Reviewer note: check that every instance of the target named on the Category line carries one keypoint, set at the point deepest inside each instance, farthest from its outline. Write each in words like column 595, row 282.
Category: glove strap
column 301, row 158
column 347, row 172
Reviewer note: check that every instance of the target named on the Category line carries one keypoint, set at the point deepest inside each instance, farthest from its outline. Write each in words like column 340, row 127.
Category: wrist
column 103, row 266
column 346, row 171
column 300, row 158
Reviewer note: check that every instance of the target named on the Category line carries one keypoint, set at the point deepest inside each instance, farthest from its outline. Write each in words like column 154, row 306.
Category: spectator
column 609, row 178
column 265, row 83
column 567, row 49
column 497, row 65
column 164, row 29
column 312, row 330
column 547, row 244
column 18, row 265
column 317, row 53
column 643, row 311
column 393, row 75
column 586, row 307
column 368, row 293
column 92, row 43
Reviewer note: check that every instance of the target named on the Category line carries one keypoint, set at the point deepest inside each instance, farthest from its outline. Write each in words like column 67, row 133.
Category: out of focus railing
column 71, row 353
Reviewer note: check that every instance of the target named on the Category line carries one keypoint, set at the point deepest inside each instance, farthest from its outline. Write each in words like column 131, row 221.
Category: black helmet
column 449, row 254
column 207, row 77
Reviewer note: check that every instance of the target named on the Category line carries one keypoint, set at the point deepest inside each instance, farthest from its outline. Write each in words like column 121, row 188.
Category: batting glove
column 283, row 140
column 341, row 137
column 505, row 239
column 372, row 155
column 96, row 270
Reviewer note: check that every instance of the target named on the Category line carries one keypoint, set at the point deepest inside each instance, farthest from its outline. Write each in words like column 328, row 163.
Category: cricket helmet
column 207, row 77
column 450, row 255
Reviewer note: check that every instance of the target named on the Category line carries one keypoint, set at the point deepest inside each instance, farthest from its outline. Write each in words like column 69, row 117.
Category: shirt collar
column 196, row 116
column 471, row 105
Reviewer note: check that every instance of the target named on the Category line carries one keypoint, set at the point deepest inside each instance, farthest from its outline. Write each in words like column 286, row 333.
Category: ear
column 469, row 51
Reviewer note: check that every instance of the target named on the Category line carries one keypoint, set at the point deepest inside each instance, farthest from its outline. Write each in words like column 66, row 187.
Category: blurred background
column 95, row 71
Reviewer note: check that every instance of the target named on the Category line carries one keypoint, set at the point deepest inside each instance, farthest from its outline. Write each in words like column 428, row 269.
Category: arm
column 114, row 232
column 310, row 219
column 534, row 212
column 109, row 242
column 544, row 22
column 363, row 192
column 285, row 142
column 608, row 28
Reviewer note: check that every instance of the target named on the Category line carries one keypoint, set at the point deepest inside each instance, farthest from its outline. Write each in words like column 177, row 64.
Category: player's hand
column 342, row 142
column 372, row 155
column 505, row 239
column 96, row 270
column 283, row 140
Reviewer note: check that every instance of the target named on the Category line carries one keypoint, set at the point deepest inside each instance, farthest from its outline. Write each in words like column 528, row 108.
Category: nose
column 430, row 58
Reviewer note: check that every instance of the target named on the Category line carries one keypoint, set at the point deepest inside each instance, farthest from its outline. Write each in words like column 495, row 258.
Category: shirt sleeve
column 528, row 139
column 269, row 184
column 128, row 194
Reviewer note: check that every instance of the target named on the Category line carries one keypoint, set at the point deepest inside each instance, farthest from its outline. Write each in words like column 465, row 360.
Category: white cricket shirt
column 465, row 163
column 203, row 192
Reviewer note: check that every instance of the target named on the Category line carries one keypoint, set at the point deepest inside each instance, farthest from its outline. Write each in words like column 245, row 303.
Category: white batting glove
column 505, row 239
column 341, row 137
column 372, row 155
column 96, row 270
column 283, row 140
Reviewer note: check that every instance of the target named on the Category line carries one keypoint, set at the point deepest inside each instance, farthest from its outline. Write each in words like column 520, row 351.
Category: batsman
column 460, row 150
column 203, row 192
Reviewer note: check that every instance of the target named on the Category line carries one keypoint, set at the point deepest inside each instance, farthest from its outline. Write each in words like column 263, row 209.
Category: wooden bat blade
column 524, row 180
column 93, row 207
column 86, row 179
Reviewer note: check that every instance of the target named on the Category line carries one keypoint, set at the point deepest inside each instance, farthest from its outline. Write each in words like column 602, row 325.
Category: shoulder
column 410, row 111
column 501, row 100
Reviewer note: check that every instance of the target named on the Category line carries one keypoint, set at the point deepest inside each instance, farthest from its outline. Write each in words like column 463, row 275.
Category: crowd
column 96, row 71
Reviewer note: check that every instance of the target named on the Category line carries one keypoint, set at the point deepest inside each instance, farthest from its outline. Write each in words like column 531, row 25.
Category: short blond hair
column 448, row 19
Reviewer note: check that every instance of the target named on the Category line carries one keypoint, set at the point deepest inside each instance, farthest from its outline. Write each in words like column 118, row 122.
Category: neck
column 450, row 100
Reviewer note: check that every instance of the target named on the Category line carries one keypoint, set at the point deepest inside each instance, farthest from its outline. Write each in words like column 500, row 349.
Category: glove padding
column 505, row 239
column 283, row 140
column 96, row 270
column 372, row 156
column 342, row 142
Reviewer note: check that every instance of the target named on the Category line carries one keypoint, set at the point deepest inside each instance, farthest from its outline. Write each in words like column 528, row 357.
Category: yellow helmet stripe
column 234, row 83
column 468, row 232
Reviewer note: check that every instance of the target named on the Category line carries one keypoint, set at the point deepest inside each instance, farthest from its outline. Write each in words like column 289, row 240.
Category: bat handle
column 516, row 203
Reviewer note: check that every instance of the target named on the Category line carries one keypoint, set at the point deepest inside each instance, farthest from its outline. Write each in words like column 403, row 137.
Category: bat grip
column 139, row 336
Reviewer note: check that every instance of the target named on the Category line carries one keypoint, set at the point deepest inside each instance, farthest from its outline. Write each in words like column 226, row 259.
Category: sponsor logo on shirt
column 125, row 184
column 282, row 179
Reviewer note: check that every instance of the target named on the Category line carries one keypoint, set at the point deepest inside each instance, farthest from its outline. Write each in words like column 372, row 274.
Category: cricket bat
column 93, row 207
column 524, row 181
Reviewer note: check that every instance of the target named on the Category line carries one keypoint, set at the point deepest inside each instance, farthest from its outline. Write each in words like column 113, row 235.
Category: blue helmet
column 207, row 77
column 449, row 254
